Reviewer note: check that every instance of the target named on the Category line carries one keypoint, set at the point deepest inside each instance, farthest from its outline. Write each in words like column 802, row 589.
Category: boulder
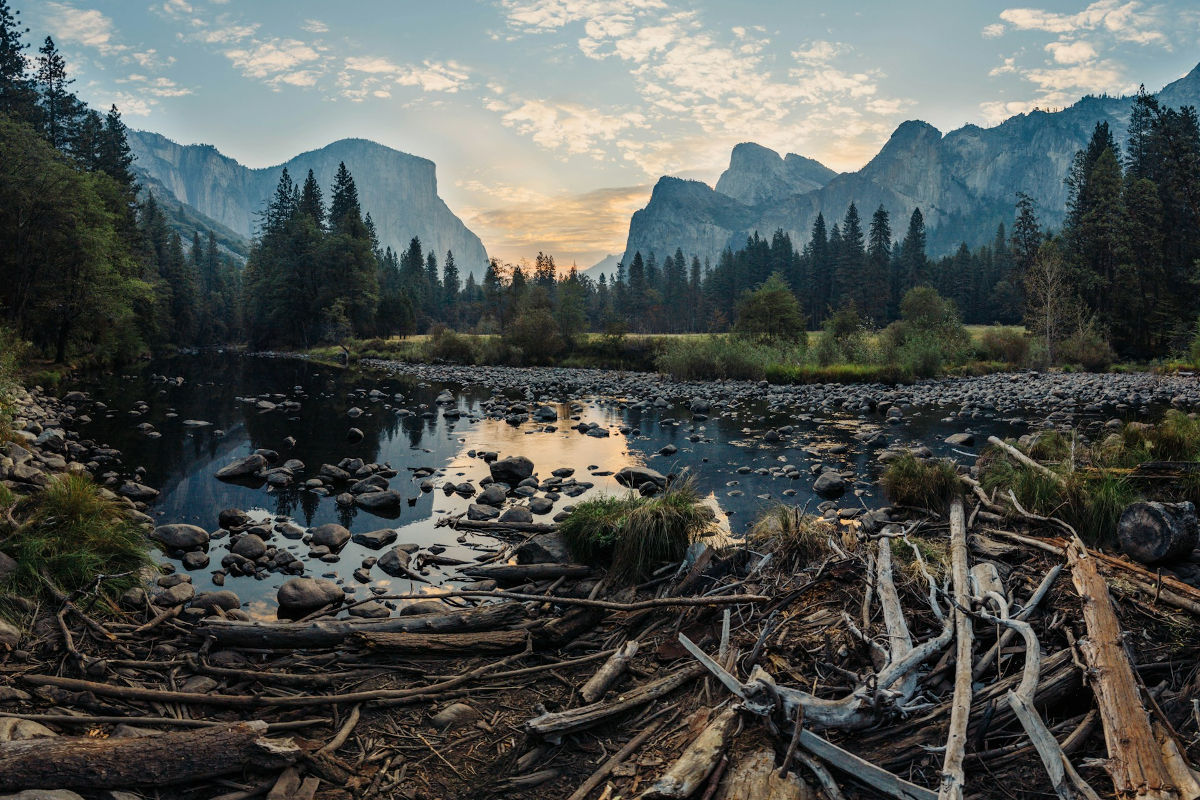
column 517, row 514
column 545, row 548
column 829, row 484
column 961, row 440
column 493, row 495
column 379, row 501
column 511, row 470
column 635, row 476
column 224, row 600
column 453, row 716
column 181, row 537
column 332, row 536
column 10, row 635
column 249, row 465
column 301, row 596
column 371, row 610
column 480, row 513
column 234, row 518
column 375, row 539
column 249, row 546
column 394, row 562
column 541, row 505
column 137, row 491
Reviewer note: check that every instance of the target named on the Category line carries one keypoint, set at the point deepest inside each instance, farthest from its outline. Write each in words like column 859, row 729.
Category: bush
column 636, row 534
column 535, row 334
column 771, row 313
column 1194, row 349
column 446, row 345
column 909, row 481
column 73, row 535
column 713, row 357
column 1004, row 344
column 1088, row 348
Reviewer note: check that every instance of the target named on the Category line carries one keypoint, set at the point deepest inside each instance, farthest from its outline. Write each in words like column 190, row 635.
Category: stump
column 1155, row 533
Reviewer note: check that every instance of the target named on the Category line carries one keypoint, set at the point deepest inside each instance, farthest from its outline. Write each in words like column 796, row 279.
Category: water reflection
column 404, row 428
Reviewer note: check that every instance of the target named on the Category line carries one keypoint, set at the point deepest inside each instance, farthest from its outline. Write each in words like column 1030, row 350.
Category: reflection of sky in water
column 182, row 461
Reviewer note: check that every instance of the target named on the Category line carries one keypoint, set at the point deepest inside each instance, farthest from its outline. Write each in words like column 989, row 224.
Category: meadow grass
column 70, row 534
column 634, row 535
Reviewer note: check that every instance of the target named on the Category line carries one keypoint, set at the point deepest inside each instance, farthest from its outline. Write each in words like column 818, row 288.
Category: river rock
column 375, row 539
column 371, row 610
column 961, row 440
column 829, row 484
column 493, row 495
column 511, row 470
column 379, row 501
column 300, row 596
column 394, row 562
column 249, row 546
column 520, row 514
column 544, row 548
column 453, row 716
column 10, row 635
column 195, row 559
column 329, row 472
column 482, row 513
column 137, row 492
column 174, row 595
column 634, row 477
column 331, row 535
column 541, row 505
column 233, row 518
column 8, row 565
column 180, row 536
column 249, row 465
column 224, row 600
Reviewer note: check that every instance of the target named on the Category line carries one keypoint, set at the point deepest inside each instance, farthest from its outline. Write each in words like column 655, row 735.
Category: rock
column 493, row 495
column 329, row 472
column 544, row 548
column 10, row 636
column 137, row 492
column 479, row 512
column 8, row 565
column 19, row 730
column 829, row 484
column 375, row 539
column 420, row 607
column 453, row 716
column 332, row 536
column 394, row 562
column 961, row 440
column 517, row 514
column 172, row 596
column 668, row 450
column 42, row 794
column 375, row 483
column 195, row 559
column 379, row 501
column 511, row 470
column 234, row 518
column 301, row 596
column 181, row 537
column 354, row 435
column 371, row 610
column 541, row 505
column 249, row 546
column 224, row 600
column 636, row 476
column 249, row 465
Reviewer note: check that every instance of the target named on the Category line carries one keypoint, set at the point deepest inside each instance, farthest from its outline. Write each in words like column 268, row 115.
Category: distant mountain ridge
column 398, row 190
column 965, row 182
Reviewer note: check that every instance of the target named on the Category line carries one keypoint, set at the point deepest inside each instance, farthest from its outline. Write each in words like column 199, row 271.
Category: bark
column 698, row 761
column 1141, row 764
column 167, row 759
column 332, row 632
column 1157, row 533
column 608, row 673
column 755, row 776
column 443, row 644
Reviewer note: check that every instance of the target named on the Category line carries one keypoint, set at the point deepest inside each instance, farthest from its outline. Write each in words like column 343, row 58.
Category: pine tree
column 312, row 202
column 817, row 278
column 344, row 210
column 877, row 284
column 56, row 100
column 912, row 253
column 1027, row 236
column 851, row 266
column 451, row 286
column 17, row 93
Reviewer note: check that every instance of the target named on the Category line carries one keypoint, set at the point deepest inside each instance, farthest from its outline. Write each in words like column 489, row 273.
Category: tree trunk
column 1156, row 533
column 443, row 644
column 153, row 761
column 520, row 573
column 331, row 632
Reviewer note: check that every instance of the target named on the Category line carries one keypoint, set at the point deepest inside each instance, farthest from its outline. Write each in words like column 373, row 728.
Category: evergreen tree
column 913, row 258
column 17, row 92
column 451, row 286
column 877, row 284
column 312, row 202
column 851, row 266
column 52, row 83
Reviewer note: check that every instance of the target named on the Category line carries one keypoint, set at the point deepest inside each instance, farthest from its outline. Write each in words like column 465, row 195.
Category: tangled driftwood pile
column 965, row 654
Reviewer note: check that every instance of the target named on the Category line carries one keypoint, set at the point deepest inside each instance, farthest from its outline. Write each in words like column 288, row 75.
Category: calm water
column 221, row 389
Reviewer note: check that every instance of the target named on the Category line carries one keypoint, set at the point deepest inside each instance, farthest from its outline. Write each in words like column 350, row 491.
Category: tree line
column 88, row 264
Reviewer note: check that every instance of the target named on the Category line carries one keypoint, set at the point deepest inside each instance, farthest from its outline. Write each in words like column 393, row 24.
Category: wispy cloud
column 277, row 62
column 565, row 127
column 315, row 26
column 87, row 27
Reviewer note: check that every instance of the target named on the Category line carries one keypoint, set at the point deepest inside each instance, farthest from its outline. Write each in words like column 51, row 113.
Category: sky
column 551, row 120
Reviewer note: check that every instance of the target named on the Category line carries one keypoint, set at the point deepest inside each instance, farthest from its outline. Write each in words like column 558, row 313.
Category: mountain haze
column 965, row 182
column 398, row 190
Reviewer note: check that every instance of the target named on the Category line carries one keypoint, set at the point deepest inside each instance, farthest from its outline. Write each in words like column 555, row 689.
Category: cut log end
column 1157, row 533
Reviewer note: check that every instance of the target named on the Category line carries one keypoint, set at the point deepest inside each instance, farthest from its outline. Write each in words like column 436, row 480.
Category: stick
column 1026, row 460
column 162, row 722
column 597, row 777
column 953, row 779
column 981, row 664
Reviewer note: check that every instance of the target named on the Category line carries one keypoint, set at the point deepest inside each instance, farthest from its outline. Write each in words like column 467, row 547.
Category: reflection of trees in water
column 309, row 503
column 415, row 431
column 285, row 500
column 346, row 515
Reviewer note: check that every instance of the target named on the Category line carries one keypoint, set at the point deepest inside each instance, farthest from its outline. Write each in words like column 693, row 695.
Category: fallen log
column 332, row 632
column 555, row 725
column 1155, row 533
column 754, row 776
column 1026, row 460
column 953, row 780
column 442, row 644
column 698, row 761
column 483, row 525
column 1140, row 763
column 524, row 573
column 164, row 760
column 608, row 673
column 154, row 722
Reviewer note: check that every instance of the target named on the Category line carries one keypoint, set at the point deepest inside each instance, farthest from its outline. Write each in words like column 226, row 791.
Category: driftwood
column 698, row 761
column 500, row 527
column 1157, row 533
column 1139, row 762
column 167, row 759
column 754, row 776
column 555, row 725
column 953, row 779
column 1026, row 460
column 332, row 632
column 522, row 573
column 608, row 673
column 442, row 644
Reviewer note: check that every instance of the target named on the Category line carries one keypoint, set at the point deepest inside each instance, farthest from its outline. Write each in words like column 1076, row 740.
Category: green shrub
column 1004, row 344
column 534, row 336
column 1175, row 438
column 1088, row 348
column 718, row 357
column 74, row 536
column 636, row 534
column 771, row 313
column 445, row 344
column 910, row 481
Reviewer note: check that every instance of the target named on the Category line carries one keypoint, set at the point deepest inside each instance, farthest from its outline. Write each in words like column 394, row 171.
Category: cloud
column 150, row 59
column 276, row 61
column 571, row 128
column 89, row 28
column 549, row 15
column 1071, row 52
column 993, row 31
column 315, row 26
column 582, row 227
column 1127, row 21
column 226, row 34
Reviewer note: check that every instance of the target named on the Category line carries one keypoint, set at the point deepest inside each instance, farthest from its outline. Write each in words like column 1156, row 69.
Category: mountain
column 398, row 190
column 606, row 266
column 185, row 220
column 965, row 182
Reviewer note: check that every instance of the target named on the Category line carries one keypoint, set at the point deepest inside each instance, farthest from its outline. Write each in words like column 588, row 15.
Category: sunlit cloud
column 86, row 27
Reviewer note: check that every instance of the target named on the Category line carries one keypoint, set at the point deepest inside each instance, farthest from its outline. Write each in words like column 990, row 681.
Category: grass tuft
column 75, row 535
column 636, row 534
column 794, row 537
column 909, row 481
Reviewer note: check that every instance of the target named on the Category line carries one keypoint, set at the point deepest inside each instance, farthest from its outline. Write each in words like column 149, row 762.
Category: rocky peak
column 759, row 175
